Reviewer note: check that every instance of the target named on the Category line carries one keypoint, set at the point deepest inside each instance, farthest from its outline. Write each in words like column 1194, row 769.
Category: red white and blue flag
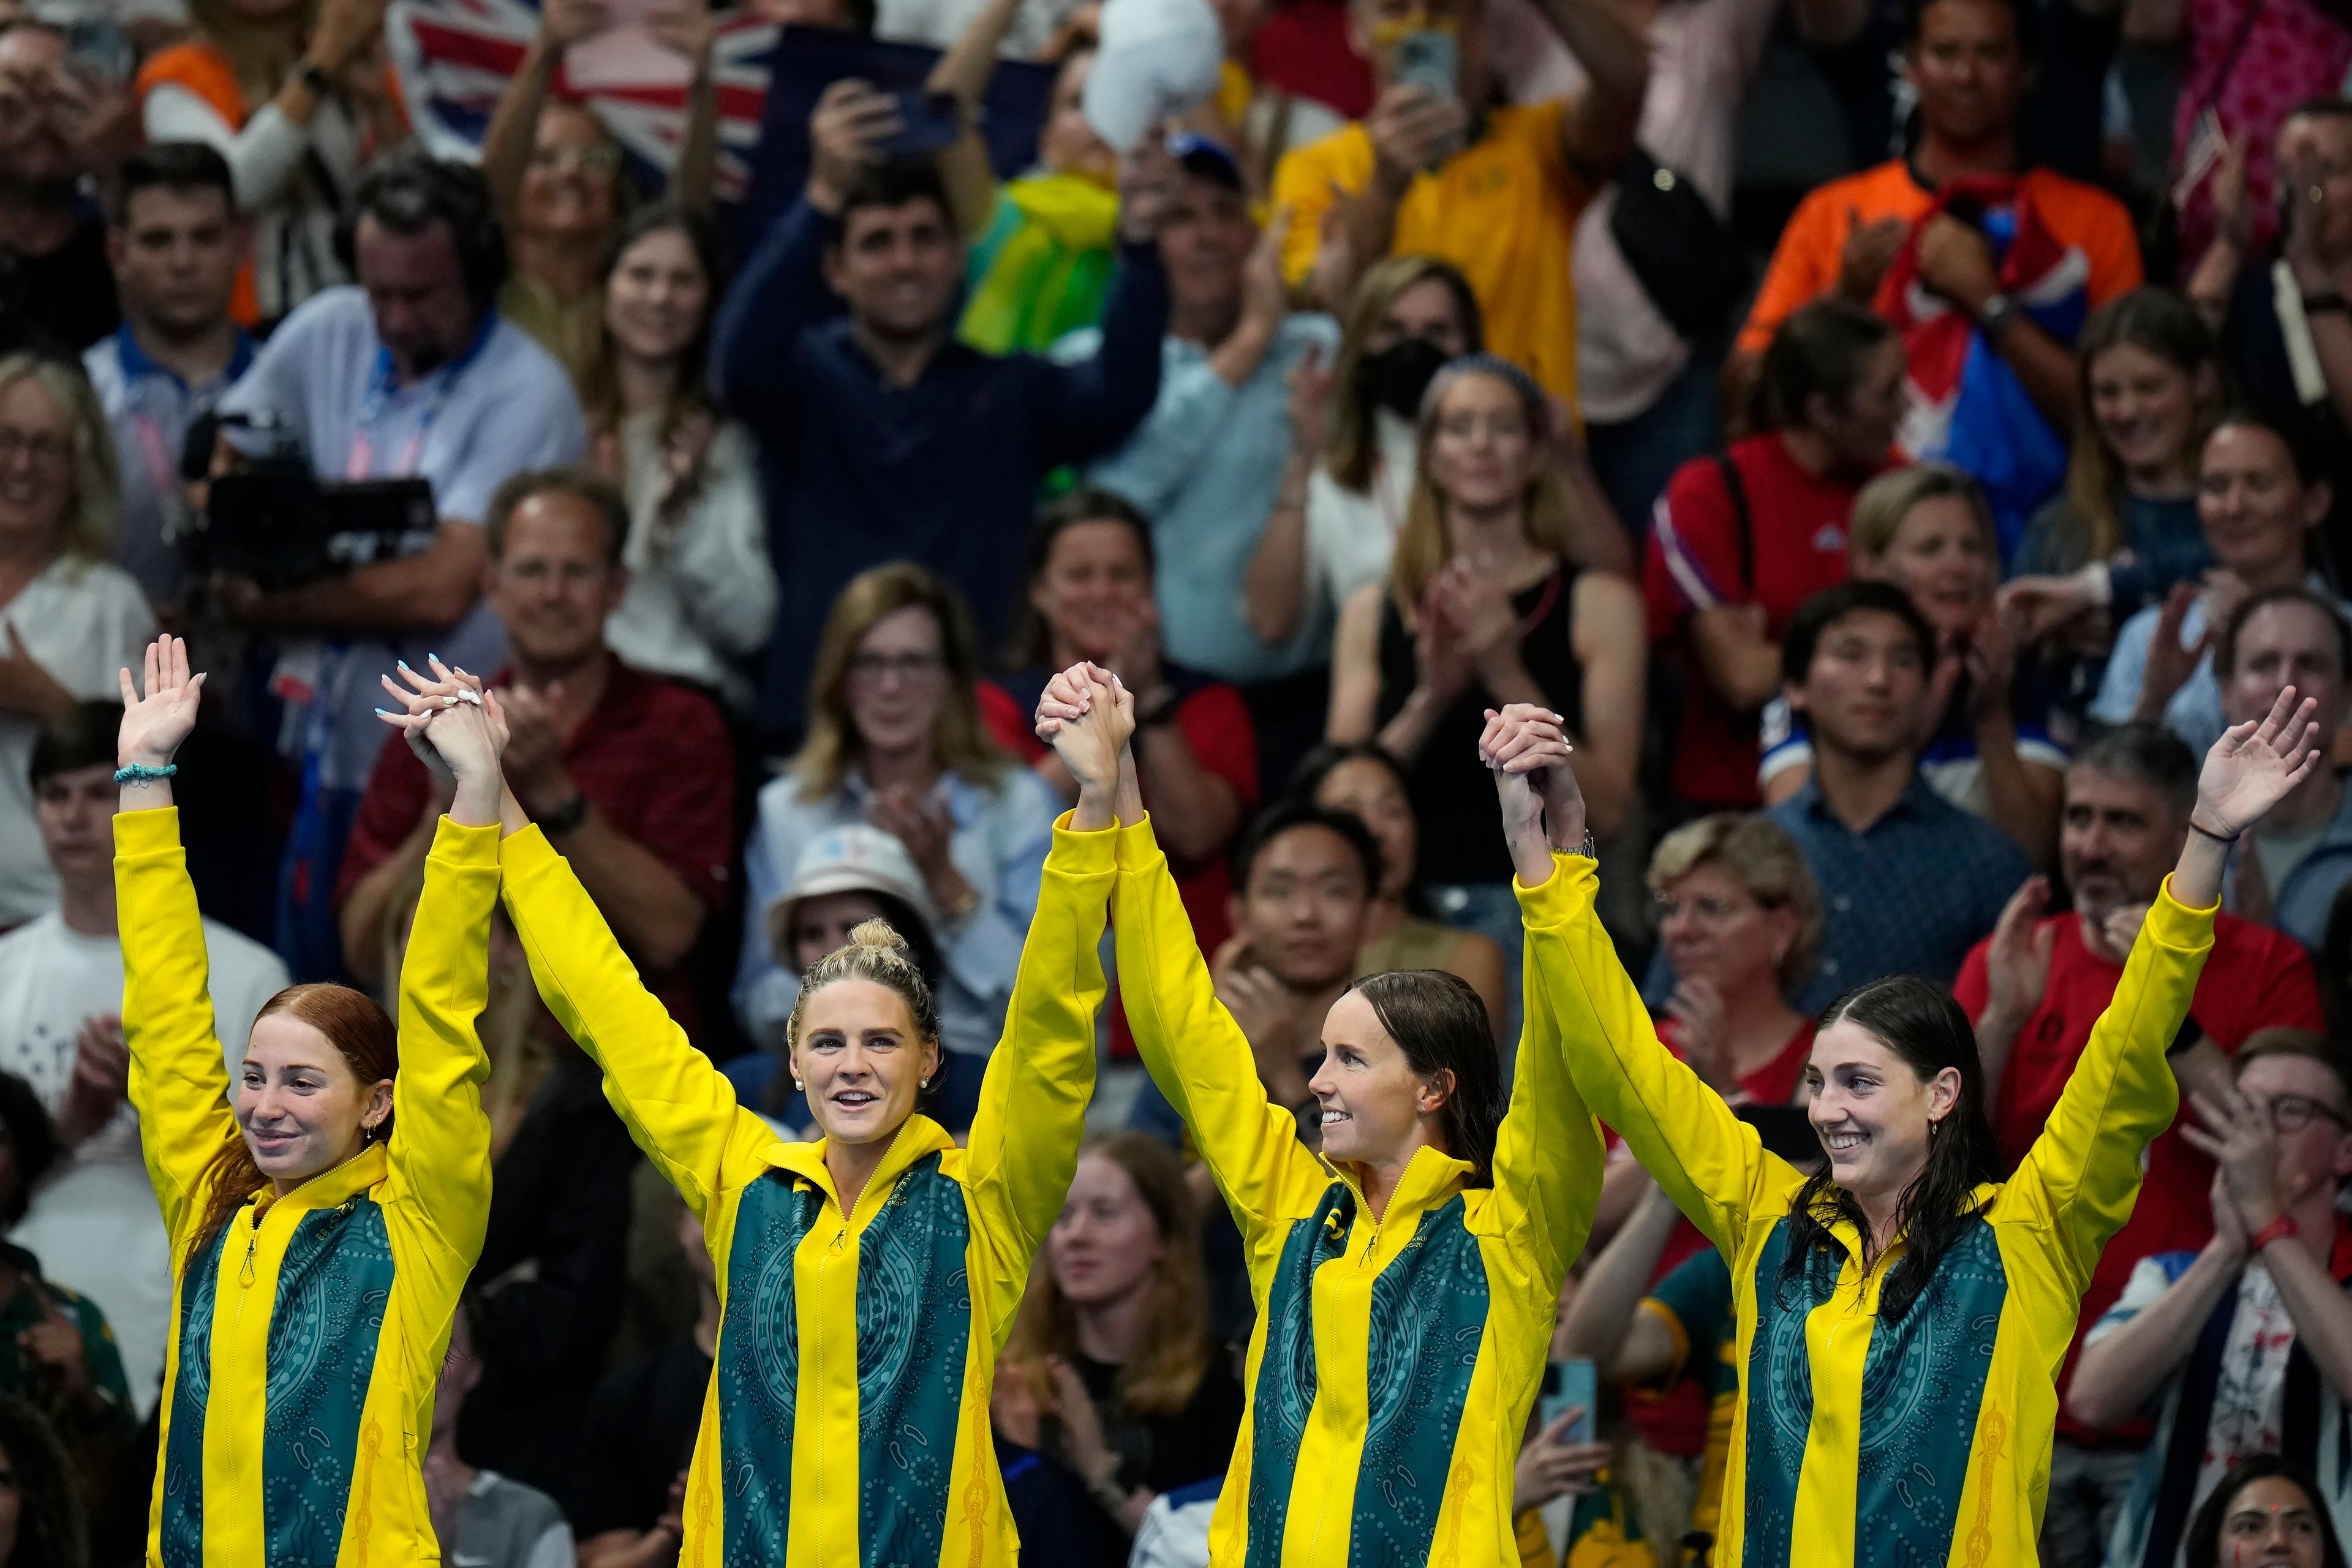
column 456, row 58
column 1967, row 408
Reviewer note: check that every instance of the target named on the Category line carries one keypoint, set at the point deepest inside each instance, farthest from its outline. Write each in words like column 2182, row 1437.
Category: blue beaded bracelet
column 139, row 773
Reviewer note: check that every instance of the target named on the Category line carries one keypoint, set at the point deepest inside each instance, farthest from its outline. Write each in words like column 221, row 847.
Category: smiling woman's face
column 301, row 1108
column 860, row 1060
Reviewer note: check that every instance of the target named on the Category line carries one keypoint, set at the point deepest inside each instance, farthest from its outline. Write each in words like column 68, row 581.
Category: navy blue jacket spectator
column 885, row 439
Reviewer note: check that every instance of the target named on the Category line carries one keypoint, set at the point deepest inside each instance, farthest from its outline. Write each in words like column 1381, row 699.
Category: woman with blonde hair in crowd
column 562, row 181
column 702, row 586
column 1354, row 443
column 867, row 1282
column 896, row 741
column 296, row 95
column 2000, row 740
column 69, row 619
column 1113, row 1339
column 1484, row 605
column 326, row 1210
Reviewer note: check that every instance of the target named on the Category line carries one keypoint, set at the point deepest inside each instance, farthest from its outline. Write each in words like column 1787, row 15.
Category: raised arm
column 2085, row 1166
column 179, row 1084
column 1023, row 1146
column 1709, row 1162
column 679, row 1108
column 782, row 291
column 440, row 1155
column 1548, row 1150
column 1093, row 404
column 1189, row 1043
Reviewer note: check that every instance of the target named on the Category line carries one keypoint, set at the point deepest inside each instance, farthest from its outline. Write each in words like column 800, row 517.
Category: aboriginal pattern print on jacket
column 183, row 1532
column 760, row 1367
column 914, row 1332
column 1923, row 1383
column 1429, row 1311
column 333, row 1285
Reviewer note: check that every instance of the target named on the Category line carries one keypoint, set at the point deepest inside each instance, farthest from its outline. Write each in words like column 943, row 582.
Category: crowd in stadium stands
column 1895, row 439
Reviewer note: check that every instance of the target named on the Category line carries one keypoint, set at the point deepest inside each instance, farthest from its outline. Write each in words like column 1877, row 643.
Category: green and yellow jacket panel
column 846, row 1421
column 1394, row 1358
column 309, row 1330
column 1857, row 1441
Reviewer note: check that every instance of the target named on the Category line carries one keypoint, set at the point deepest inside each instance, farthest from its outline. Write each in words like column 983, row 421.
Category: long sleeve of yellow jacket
column 1394, row 1358
column 847, row 1420
column 1860, row 1438
column 309, row 1329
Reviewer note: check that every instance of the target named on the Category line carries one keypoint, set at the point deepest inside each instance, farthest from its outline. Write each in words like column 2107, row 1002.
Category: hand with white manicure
column 458, row 731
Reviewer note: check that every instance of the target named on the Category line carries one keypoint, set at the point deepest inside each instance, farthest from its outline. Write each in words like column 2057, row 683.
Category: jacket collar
column 919, row 1136
column 1838, row 1225
column 1431, row 1177
column 328, row 1189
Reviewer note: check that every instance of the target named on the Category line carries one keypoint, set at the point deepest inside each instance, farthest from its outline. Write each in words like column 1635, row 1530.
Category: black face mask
column 1395, row 378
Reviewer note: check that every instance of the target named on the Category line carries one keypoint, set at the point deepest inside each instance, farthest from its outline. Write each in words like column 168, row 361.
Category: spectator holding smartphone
column 881, row 437
column 1433, row 171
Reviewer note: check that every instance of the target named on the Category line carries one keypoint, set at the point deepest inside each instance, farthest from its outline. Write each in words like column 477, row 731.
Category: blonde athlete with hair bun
column 867, row 1281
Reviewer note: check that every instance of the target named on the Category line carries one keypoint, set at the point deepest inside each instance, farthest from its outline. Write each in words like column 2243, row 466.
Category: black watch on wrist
column 313, row 76
column 565, row 817
column 2325, row 301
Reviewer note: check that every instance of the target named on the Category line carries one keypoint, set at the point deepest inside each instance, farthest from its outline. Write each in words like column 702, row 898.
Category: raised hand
column 2017, row 961
column 2236, row 1134
column 2253, row 766
column 457, row 731
column 851, row 122
column 1147, row 190
column 1531, row 740
column 1091, row 741
column 154, row 725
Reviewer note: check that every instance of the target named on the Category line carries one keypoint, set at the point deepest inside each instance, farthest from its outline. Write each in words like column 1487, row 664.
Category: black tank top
column 1453, row 794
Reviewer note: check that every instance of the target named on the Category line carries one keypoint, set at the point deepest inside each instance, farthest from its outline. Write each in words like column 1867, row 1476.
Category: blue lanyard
column 382, row 384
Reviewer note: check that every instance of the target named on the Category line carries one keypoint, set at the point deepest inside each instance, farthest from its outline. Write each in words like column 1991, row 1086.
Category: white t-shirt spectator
column 702, row 588
column 1351, row 536
column 82, row 622
column 94, row 1223
column 503, row 406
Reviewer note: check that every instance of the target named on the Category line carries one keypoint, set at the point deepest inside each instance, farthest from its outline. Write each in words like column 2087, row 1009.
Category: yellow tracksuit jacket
column 1926, row 1439
column 1394, row 1358
column 847, row 1420
column 308, row 1331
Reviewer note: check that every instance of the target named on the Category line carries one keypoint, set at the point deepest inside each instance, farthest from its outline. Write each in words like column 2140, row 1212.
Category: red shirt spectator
column 652, row 758
column 1774, row 545
column 2254, row 979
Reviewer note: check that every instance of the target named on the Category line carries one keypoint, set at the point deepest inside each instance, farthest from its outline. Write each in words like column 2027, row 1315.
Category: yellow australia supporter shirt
column 1503, row 210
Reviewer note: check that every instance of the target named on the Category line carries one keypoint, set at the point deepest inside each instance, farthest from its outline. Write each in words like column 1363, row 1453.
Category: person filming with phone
column 882, row 437
column 1438, row 169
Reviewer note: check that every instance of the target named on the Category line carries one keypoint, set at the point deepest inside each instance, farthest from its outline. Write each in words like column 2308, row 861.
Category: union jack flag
column 456, row 58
